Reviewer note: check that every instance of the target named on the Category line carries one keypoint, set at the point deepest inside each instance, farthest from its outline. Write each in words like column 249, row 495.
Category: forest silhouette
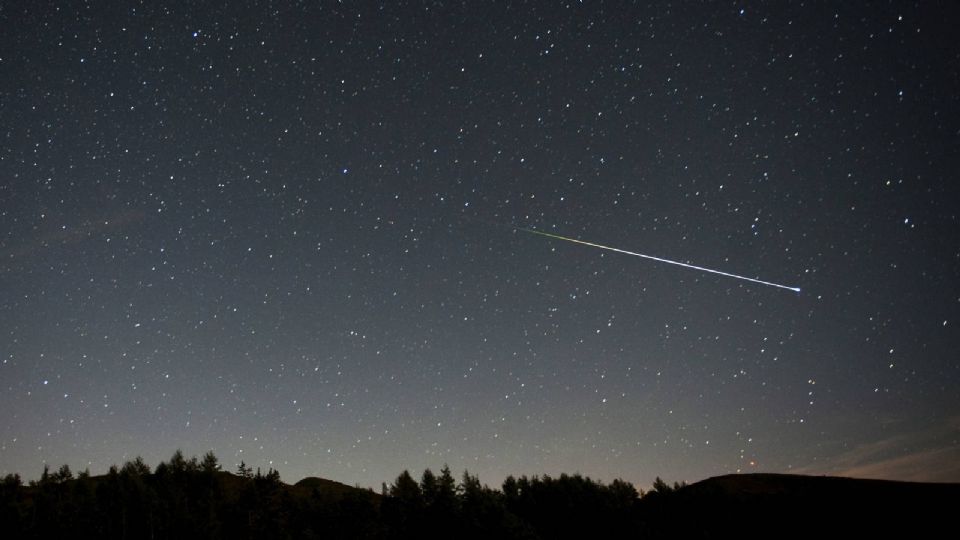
column 194, row 498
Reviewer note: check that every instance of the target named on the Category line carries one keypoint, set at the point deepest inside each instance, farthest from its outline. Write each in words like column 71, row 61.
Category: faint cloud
column 931, row 455
column 65, row 235
column 935, row 465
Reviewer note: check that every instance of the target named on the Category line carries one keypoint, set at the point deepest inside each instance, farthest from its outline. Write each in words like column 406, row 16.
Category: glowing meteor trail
column 658, row 259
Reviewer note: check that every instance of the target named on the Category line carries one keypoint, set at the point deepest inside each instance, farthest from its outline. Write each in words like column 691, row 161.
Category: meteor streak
column 659, row 259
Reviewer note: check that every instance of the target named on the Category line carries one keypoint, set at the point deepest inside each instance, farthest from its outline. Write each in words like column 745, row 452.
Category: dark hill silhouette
column 328, row 487
column 185, row 499
column 756, row 505
column 746, row 486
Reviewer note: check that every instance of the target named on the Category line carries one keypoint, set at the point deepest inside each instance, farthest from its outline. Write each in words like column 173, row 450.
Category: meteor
column 659, row 259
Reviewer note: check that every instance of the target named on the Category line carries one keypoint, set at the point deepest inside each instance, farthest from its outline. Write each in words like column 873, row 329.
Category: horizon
column 417, row 473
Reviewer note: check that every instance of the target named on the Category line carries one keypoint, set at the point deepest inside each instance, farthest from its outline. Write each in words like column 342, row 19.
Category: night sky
column 298, row 234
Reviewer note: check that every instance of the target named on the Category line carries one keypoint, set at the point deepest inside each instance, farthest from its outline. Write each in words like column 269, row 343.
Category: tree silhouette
column 44, row 476
column 403, row 509
column 210, row 463
column 429, row 487
column 243, row 471
column 177, row 463
column 137, row 467
column 446, row 497
column 660, row 487
column 189, row 499
column 11, row 481
column 406, row 489
column 63, row 474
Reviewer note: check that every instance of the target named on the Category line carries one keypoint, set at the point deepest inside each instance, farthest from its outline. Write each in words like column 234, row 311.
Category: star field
column 291, row 233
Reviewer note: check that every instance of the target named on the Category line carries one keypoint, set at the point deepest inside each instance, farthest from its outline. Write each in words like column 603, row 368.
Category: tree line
column 193, row 498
